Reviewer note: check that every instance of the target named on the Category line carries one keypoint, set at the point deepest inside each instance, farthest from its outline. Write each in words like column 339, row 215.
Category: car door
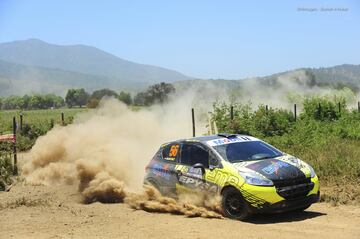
column 161, row 170
column 193, row 167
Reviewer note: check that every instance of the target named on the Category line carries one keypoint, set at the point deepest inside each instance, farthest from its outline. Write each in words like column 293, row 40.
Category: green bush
column 6, row 170
column 272, row 122
column 323, row 109
column 328, row 139
column 260, row 123
column 35, row 123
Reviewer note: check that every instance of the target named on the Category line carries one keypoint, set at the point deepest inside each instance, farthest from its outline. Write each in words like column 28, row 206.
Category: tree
column 140, row 98
column 99, row 94
column 58, row 101
column 93, row 103
column 36, row 102
column 51, row 100
column 26, row 101
column 311, row 79
column 125, row 97
column 157, row 93
column 70, row 98
column 160, row 92
column 12, row 102
column 76, row 97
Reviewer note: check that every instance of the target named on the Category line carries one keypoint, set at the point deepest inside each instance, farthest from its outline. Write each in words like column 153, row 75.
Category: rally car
column 250, row 175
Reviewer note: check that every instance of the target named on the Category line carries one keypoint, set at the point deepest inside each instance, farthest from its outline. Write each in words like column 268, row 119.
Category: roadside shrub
column 272, row 122
column 327, row 139
column 320, row 108
column 258, row 123
column 6, row 170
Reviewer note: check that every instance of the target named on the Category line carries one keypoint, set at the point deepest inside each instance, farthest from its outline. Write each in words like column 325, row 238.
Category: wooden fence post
column 14, row 147
column 193, row 121
column 21, row 122
column 295, row 113
column 62, row 119
column 232, row 112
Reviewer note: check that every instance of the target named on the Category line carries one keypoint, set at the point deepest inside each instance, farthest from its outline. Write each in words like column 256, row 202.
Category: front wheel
column 234, row 205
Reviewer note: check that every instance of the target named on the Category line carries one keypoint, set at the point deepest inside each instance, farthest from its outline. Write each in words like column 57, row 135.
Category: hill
column 84, row 59
column 36, row 66
column 21, row 79
column 280, row 89
column 345, row 73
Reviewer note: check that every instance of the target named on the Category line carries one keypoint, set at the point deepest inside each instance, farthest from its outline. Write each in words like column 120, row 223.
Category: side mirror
column 200, row 166
column 214, row 161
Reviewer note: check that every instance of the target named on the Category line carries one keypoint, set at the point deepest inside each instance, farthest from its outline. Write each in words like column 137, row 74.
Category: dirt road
column 57, row 212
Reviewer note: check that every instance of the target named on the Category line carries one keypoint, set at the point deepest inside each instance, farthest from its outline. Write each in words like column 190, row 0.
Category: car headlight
column 254, row 179
column 312, row 171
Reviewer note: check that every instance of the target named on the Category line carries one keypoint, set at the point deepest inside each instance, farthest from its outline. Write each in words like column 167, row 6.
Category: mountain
column 84, row 59
column 21, row 79
column 343, row 73
column 282, row 88
column 36, row 66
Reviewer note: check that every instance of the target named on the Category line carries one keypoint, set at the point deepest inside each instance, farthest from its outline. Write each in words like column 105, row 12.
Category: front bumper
column 287, row 205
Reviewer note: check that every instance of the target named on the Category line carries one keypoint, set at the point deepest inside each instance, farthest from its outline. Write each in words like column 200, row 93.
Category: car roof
column 204, row 139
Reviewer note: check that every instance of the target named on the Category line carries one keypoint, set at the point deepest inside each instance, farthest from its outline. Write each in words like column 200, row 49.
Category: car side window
column 171, row 152
column 192, row 154
column 158, row 155
column 213, row 160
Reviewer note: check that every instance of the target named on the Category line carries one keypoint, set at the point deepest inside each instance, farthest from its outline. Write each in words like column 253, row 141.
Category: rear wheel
column 154, row 184
column 234, row 205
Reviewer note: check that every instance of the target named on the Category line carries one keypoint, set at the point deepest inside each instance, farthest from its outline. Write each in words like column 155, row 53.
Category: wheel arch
column 151, row 180
column 229, row 186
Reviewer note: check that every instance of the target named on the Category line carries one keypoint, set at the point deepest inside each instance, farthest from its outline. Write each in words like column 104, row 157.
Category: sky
column 226, row 39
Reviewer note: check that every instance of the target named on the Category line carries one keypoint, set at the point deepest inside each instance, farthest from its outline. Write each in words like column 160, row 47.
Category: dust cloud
column 105, row 152
column 280, row 91
column 191, row 205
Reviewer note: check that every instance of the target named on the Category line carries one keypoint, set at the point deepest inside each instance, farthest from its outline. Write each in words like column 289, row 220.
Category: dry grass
column 24, row 201
column 341, row 193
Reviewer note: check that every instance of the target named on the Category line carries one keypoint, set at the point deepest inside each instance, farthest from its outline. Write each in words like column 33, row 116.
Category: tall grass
column 6, row 169
column 35, row 123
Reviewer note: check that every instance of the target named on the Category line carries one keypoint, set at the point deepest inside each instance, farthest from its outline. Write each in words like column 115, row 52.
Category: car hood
column 280, row 168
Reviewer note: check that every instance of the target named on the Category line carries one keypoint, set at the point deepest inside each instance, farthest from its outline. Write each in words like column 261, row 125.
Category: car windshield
column 247, row 151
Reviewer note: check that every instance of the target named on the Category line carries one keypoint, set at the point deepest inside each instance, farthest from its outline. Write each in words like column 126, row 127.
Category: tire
column 154, row 184
column 233, row 204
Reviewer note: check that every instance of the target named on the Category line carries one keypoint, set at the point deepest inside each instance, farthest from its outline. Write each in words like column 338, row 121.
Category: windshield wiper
column 268, row 157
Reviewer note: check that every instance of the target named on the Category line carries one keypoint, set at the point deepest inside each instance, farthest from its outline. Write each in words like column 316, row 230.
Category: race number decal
column 174, row 150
